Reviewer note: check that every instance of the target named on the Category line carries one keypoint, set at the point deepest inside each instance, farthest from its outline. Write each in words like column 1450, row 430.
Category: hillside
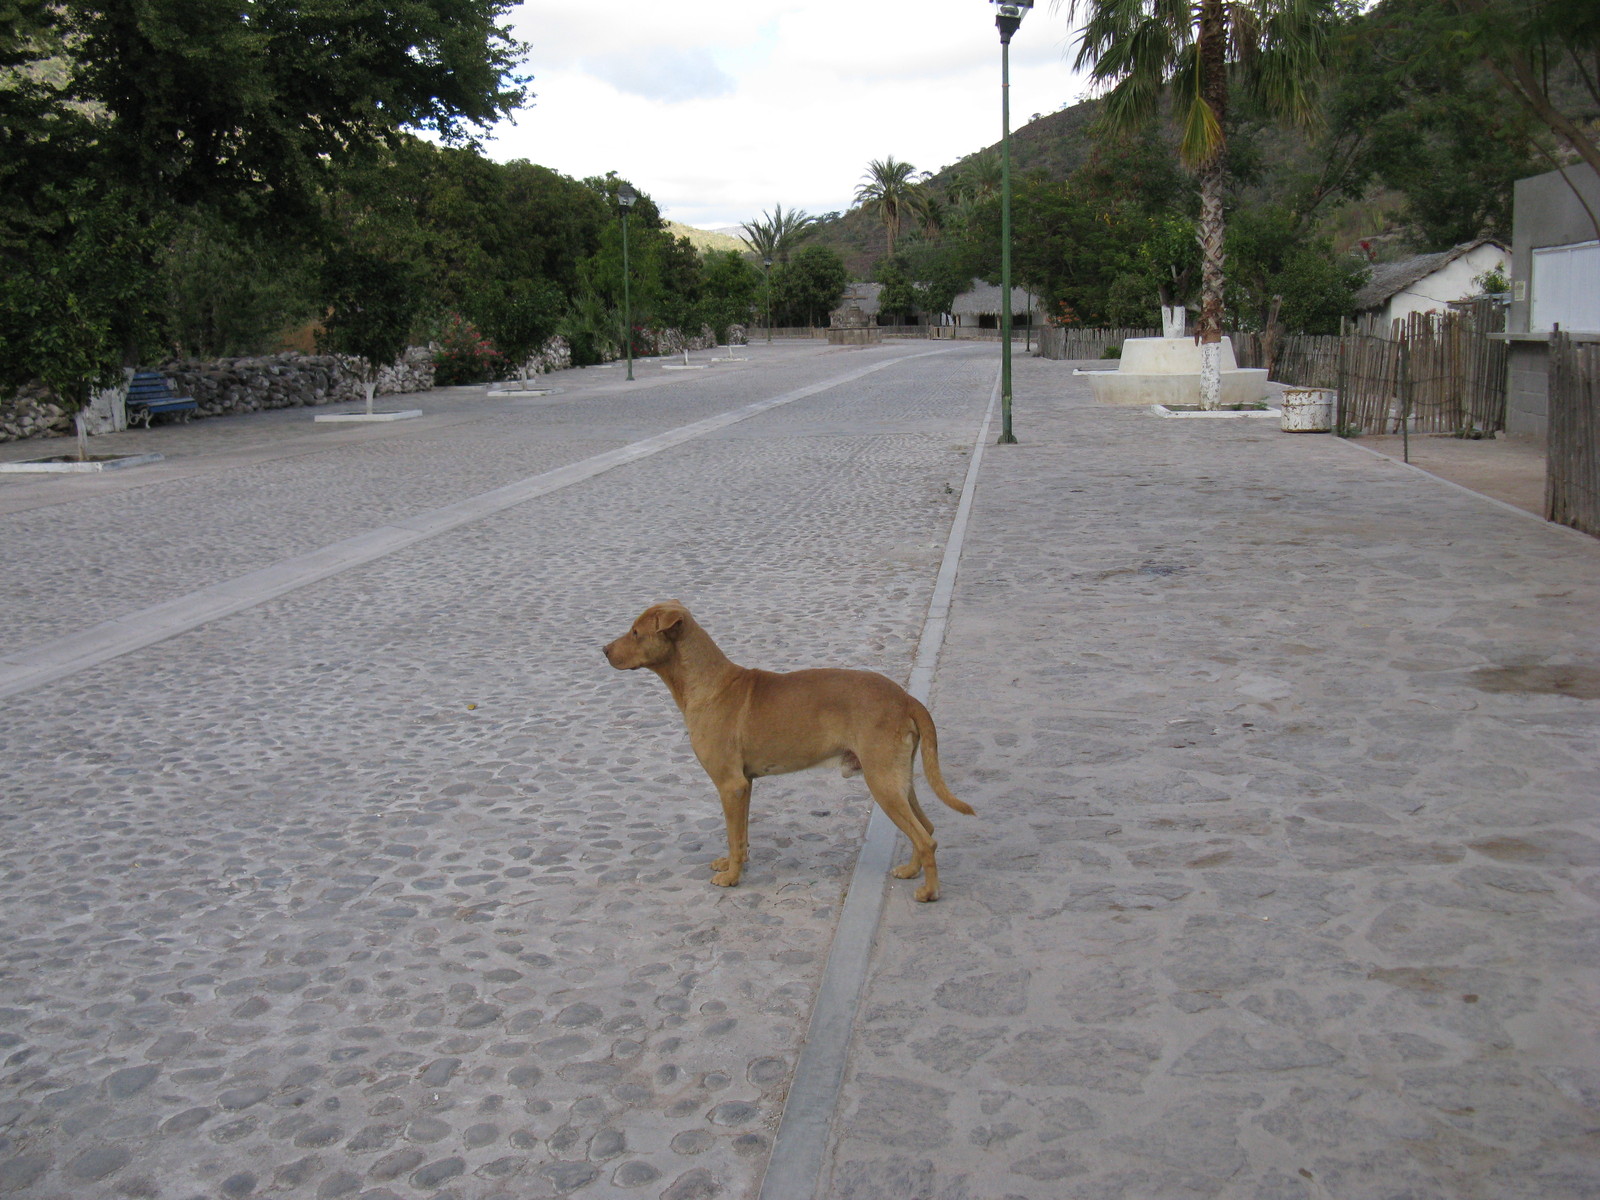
column 704, row 239
column 1056, row 144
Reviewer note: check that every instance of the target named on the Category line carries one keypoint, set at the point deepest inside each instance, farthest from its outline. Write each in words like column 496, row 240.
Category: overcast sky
column 721, row 108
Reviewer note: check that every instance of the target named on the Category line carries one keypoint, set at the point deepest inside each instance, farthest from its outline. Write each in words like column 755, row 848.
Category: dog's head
column 652, row 639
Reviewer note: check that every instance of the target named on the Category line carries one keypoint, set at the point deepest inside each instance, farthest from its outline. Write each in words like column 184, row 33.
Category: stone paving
column 1283, row 881
column 391, row 886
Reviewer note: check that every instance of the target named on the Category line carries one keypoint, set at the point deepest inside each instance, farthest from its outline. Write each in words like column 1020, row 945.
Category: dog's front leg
column 735, row 793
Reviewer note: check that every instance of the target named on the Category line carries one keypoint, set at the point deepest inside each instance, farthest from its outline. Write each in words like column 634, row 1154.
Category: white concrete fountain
column 1166, row 371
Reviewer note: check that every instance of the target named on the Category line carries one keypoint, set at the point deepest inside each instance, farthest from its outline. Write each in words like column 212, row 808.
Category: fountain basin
column 1167, row 371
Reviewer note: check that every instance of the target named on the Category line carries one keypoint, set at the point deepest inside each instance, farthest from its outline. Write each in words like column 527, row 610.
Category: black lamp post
column 1008, row 18
column 766, row 264
column 626, row 197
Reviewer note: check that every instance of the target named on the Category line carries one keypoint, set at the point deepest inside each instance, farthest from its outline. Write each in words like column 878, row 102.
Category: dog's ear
column 664, row 619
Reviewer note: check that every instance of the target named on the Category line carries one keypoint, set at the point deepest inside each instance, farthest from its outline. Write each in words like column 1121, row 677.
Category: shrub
column 463, row 355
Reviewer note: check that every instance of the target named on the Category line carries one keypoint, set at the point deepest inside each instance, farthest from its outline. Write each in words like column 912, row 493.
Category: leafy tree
column 248, row 102
column 731, row 290
column 1529, row 45
column 1279, row 273
column 899, row 297
column 519, row 316
column 241, row 107
column 1139, row 47
column 225, row 290
column 887, row 187
column 809, row 286
column 1405, row 108
column 373, row 301
column 947, row 276
column 927, row 207
column 72, row 303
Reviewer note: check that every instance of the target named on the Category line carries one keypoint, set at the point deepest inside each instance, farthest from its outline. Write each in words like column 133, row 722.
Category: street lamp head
column 1008, row 16
column 626, row 196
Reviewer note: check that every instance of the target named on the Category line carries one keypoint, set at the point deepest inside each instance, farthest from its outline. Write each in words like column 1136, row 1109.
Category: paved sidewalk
column 1282, row 884
column 1284, row 880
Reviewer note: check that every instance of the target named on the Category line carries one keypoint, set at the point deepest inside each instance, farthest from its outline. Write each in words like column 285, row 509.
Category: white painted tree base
column 44, row 466
column 347, row 418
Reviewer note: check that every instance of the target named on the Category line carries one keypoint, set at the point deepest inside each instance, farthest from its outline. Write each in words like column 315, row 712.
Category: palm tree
column 775, row 234
column 980, row 176
column 928, row 209
column 887, row 186
column 1141, row 46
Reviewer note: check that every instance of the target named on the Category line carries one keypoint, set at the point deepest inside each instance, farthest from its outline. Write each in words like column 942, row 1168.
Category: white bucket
column 1307, row 410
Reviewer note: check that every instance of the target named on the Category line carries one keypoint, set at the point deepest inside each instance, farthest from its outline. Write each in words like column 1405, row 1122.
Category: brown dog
column 746, row 723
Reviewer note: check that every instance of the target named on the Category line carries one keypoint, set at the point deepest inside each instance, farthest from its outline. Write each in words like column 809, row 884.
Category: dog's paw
column 908, row 870
column 726, row 878
column 927, row 893
column 719, row 864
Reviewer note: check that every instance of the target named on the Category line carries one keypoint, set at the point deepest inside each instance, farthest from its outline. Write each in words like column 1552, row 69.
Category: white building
column 1430, row 282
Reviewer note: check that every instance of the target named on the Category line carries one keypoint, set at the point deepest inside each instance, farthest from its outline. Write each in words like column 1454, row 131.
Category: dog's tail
column 930, row 757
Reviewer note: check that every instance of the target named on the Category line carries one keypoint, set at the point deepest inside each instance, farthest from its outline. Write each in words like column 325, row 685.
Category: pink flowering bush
column 463, row 355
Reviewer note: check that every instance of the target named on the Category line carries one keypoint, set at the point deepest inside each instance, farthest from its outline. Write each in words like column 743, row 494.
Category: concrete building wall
column 1547, row 212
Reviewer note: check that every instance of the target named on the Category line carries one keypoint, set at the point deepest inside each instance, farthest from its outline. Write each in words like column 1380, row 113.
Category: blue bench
column 150, row 395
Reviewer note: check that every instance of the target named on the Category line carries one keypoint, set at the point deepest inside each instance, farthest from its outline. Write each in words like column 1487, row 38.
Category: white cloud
column 721, row 108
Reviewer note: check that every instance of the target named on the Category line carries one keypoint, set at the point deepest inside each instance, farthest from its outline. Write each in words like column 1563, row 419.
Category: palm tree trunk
column 1212, row 232
column 1212, row 51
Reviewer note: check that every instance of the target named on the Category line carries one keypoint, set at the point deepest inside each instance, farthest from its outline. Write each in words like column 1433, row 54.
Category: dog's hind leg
column 910, row 870
column 891, row 787
column 735, row 794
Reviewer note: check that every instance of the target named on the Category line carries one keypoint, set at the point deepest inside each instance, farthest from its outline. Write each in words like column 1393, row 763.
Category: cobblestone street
column 336, row 861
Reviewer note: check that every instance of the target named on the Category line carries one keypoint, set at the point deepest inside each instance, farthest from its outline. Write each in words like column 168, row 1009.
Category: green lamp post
column 1008, row 18
column 626, row 197
column 766, row 265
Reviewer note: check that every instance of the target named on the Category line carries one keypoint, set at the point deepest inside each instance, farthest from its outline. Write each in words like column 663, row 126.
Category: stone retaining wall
column 257, row 382
column 238, row 385
column 235, row 385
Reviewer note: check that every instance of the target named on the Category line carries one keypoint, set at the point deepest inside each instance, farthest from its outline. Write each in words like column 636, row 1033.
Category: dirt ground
column 1510, row 467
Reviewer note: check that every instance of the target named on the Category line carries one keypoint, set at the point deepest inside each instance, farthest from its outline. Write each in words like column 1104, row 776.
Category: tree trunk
column 1212, row 51
column 371, row 387
column 1212, row 230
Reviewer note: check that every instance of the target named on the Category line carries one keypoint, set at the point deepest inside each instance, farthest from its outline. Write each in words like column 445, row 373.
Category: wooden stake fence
column 1572, row 470
column 1057, row 341
column 1430, row 373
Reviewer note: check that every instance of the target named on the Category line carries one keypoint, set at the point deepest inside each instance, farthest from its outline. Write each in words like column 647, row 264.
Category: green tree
column 242, row 107
column 519, row 316
column 72, row 301
column 732, row 290
column 373, row 301
column 249, row 102
column 899, row 297
column 1407, row 109
column 809, row 286
column 1277, row 272
column 887, row 187
column 226, row 290
column 1532, row 46
column 1140, row 47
